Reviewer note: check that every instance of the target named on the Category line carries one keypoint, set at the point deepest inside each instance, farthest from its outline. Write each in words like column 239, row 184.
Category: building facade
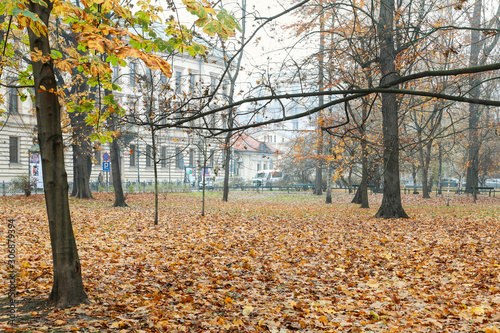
column 178, row 152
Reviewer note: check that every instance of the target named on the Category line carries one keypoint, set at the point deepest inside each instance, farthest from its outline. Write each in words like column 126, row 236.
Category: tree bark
column 233, row 77
column 115, row 167
column 318, row 189
column 82, row 151
column 328, row 199
column 391, row 206
column 227, row 156
column 364, row 175
column 440, row 171
column 426, row 161
column 475, row 91
column 67, row 289
column 155, row 166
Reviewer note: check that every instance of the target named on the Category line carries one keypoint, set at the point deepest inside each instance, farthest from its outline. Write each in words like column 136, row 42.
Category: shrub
column 22, row 183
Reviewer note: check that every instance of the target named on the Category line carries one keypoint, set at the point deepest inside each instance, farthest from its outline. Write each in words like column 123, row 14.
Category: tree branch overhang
column 350, row 94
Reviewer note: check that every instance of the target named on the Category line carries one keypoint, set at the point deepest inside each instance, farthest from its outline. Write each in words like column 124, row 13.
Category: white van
column 267, row 177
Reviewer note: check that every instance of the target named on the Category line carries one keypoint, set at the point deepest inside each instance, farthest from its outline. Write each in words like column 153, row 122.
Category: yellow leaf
column 119, row 324
column 238, row 322
column 477, row 310
column 247, row 310
column 59, row 322
column 228, row 300
column 372, row 283
column 491, row 329
column 323, row 320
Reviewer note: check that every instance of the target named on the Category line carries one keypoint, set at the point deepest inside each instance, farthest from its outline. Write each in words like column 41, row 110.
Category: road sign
column 105, row 157
column 106, row 166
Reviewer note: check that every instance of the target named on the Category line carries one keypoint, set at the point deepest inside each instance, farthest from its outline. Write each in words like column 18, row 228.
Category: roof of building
column 247, row 143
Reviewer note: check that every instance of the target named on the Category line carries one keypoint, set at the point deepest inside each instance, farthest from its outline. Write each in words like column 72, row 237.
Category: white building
column 179, row 151
column 251, row 156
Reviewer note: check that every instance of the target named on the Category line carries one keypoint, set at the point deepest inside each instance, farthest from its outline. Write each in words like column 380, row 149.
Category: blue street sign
column 105, row 157
column 106, row 166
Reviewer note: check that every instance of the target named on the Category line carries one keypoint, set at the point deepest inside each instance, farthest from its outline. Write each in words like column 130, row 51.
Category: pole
column 448, row 191
column 138, row 171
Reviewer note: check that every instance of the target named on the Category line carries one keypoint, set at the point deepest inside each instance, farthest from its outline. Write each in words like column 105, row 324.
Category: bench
column 479, row 189
column 415, row 188
column 373, row 188
column 304, row 187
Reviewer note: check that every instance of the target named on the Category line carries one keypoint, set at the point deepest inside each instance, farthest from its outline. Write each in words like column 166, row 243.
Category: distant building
column 180, row 151
column 251, row 156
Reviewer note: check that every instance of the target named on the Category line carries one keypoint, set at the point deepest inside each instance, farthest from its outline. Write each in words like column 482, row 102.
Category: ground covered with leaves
column 263, row 263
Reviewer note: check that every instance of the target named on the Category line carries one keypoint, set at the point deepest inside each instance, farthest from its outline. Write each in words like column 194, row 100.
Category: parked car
column 451, row 182
column 495, row 183
column 267, row 177
column 212, row 182
column 209, row 183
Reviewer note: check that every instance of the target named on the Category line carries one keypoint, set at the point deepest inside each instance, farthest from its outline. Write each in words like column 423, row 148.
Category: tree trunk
column 203, row 178
column 155, row 166
column 67, row 289
column 82, row 150
column 328, row 199
column 82, row 147
column 318, row 189
column 357, row 196
column 474, row 109
column 82, row 167
column 440, row 171
column 391, row 206
column 426, row 161
column 227, row 157
column 115, row 168
column 364, row 176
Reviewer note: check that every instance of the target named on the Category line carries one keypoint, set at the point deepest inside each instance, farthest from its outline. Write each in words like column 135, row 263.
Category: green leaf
column 56, row 54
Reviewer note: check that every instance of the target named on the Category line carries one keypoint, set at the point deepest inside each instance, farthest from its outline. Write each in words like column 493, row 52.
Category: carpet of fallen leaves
column 263, row 263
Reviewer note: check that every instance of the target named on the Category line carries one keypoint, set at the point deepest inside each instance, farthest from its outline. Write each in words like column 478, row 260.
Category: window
column 191, row 83
column 13, row 149
column 213, row 84
column 164, row 106
column 132, row 73
column 271, row 166
column 163, row 157
column 178, row 82
column 212, row 120
column 274, row 139
column 258, row 166
column 179, row 158
column 191, row 157
column 264, row 166
column 116, row 73
column 130, row 106
column 149, row 75
column 13, row 101
column 224, row 88
column 132, row 155
column 148, row 155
